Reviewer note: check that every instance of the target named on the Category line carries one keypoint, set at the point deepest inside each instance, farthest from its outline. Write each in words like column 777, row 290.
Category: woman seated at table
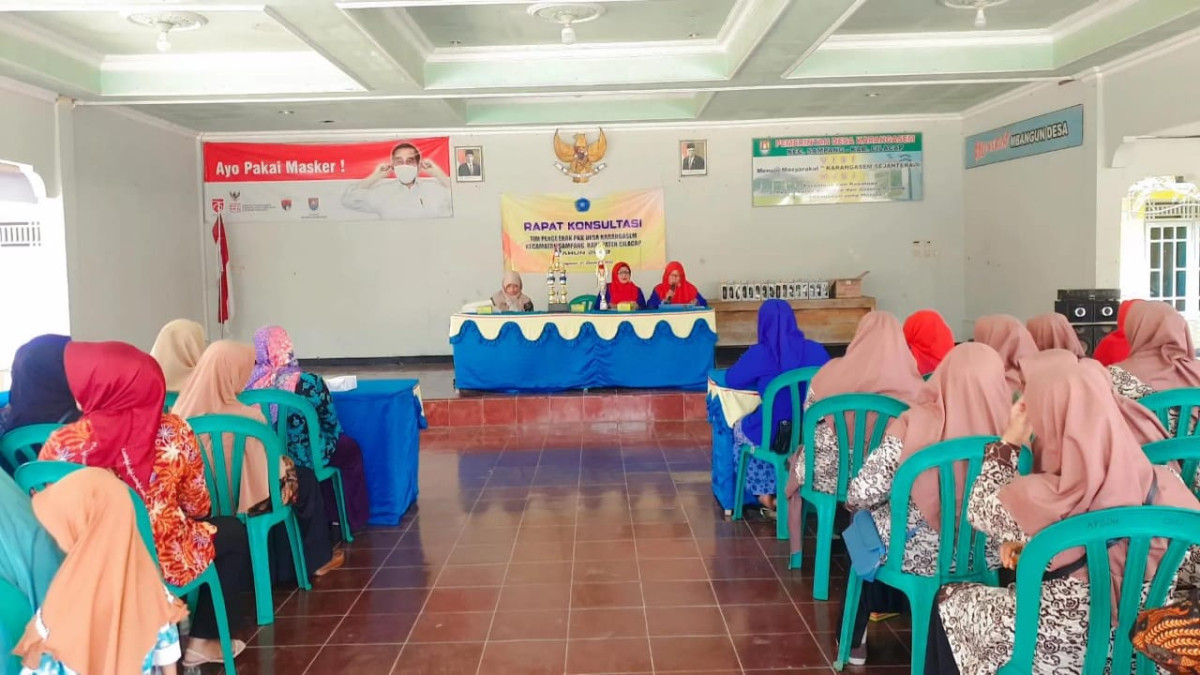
column 177, row 349
column 121, row 391
column 40, row 393
column 929, row 339
column 781, row 347
column 1011, row 340
column 675, row 289
column 510, row 298
column 876, row 362
column 106, row 610
column 1053, row 331
column 622, row 290
column 1089, row 461
column 968, row 395
column 276, row 367
column 213, row 389
column 1114, row 348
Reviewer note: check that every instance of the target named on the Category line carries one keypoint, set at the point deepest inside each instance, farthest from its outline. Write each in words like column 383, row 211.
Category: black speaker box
column 1089, row 294
column 1106, row 310
column 1077, row 311
column 1086, row 335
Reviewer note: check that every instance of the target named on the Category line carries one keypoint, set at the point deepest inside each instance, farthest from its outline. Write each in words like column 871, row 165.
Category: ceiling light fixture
column 978, row 6
column 566, row 14
column 873, row 94
column 287, row 112
column 693, row 35
column 166, row 23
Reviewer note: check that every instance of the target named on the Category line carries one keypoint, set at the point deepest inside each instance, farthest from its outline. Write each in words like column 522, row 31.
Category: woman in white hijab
column 510, row 298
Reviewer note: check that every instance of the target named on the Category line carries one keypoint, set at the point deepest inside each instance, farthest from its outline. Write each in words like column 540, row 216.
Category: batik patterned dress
column 980, row 620
column 315, row 391
column 825, row 464
column 176, row 499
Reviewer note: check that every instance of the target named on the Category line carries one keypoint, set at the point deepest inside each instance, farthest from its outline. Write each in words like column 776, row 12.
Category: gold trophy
column 602, row 275
column 556, row 283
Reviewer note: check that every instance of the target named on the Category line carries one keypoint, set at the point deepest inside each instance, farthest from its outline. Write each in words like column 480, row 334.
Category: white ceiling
column 363, row 64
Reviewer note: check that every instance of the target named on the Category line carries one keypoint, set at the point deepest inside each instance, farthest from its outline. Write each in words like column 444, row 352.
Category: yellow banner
column 632, row 225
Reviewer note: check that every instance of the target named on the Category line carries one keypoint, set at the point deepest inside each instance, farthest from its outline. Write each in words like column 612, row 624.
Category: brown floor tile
column 546, row 534
column 677, row 593
column 479, row 599
column 628, row 655
column 403, row 577
column 365, row 629
column 532, row 597
column 750, row 592
column 617, row 531
column 763, row 619
column 662, row 531
column 417, row 557
column 678, row 569
column 296, row 631
column 607, row 623
column 369, row 558
column 543, row 552
column 822, row 617
column 318, row 603
column 465, row 554
column 767, row 652
column 606, row 571
column 740, row 568
column 650, row 549
column 675, row 654
column 344, row 580
column 271, row 661
column 468, row 575
column 537, row 625
column 597, row 596
column 438, row 659
column 884, row 648
column 524, row 658
column 451, row 627
column 358, row 659
column 390, row 601
column 692, row 621
column 539, row 573
column 605, row 550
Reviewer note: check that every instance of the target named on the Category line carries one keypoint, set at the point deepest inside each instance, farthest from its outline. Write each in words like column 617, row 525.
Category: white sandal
column 192, row 658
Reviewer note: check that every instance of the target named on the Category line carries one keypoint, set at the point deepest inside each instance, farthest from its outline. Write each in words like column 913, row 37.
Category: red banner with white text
column 398, row 179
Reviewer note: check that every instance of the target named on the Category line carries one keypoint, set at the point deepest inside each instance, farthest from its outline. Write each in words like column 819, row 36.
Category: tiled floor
column 564, row 550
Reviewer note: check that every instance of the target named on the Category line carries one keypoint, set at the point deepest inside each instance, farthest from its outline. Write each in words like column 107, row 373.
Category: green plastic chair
column 964, row 561
column 1186, row 451
column 791, row 381
column 288, row 404
column 588, row 302
column 21, row 445
column 225, row 492
column 864, row 408
column 15, row 613
column 169, row 403
column 37, row 475
column 1179, row 404
column 1136, row 524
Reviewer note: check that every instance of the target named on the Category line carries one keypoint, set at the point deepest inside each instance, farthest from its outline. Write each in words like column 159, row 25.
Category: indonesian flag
column 224, row 299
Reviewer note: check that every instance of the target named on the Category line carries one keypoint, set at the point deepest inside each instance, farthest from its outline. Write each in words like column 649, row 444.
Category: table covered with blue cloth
column 724, row 454
column 539, row 352
column 385, row 417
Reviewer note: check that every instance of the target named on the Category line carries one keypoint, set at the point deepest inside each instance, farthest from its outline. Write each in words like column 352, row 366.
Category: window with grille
column 1173, row 253
column 20, row 234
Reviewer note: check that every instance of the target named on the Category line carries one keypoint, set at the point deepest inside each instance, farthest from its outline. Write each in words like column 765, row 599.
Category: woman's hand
column 1019, row 430
column 1010, row 552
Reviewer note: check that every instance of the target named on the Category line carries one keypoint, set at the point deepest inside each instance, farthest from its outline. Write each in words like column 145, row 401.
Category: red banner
column 267, row 182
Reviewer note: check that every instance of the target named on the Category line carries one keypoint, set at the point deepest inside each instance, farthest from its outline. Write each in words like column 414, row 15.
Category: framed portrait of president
column 468, row 163
column 693, row 158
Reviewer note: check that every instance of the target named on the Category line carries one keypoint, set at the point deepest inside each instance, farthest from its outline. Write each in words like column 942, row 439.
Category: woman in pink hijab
column 877, row 361
column 967, row 396
column 1009, row 337
column 1161, row 355
column 1089, row 461
column 1053, row 331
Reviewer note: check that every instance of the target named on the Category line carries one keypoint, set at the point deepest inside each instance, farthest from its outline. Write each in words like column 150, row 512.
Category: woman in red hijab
column 1114, row 348
column 622, row 289
column 675, row 289
column 929, row 339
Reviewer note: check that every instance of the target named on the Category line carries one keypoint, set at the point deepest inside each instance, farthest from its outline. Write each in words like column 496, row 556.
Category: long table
column 385, row 417
column 830, row 322
column 544, row 352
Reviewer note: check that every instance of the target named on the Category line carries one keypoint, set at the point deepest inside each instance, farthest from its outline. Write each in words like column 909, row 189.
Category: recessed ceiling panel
column 511, row 25
column 851, row 101
column 110, row 32
column 917, row 16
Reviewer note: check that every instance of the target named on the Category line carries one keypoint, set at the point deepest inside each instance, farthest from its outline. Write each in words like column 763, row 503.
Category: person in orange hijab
column 929, row 339
column 675, row 289
column 107, row 611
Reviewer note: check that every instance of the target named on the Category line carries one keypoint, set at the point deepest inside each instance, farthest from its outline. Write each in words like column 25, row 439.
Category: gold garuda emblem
column 580, row 161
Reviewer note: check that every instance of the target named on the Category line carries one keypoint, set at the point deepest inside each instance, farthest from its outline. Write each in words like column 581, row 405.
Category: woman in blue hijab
column 781, row 347
column 40, row 393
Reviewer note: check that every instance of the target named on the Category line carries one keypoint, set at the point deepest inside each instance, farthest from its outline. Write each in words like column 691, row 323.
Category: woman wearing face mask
column 675, row 289
column 510, row 298
column 622, row 289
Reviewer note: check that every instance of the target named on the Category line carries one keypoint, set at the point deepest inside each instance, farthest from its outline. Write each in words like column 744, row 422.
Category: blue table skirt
column 3, row 398
column 552, row 363
column 724, row 455
column 385, row 416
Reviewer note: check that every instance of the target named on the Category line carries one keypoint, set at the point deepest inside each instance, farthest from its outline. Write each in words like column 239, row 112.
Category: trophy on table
column 556, row 283
column 601, row 275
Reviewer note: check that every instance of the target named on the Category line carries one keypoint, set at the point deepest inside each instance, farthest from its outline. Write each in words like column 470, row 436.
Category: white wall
column 369, row 289
column 27, row 130
column 133, row 244
column 1030, row 222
